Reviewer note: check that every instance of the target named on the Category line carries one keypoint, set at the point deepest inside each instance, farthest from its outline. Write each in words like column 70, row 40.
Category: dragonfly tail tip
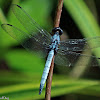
column 41, row 88
column 40, row 91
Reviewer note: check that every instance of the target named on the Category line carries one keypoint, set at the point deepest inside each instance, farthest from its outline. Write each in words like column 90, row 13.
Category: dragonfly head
column 54, row 30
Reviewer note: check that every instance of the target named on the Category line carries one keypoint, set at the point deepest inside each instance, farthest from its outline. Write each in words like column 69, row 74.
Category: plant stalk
column 49, row 79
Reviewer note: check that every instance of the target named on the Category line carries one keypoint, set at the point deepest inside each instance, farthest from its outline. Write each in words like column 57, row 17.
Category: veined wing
column 29, row 42
column 78, row 44
column 70, row 58
column 30, row 25
column 35, row 38
column 69, row 51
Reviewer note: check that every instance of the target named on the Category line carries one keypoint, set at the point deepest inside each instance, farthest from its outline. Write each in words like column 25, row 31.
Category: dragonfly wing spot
column 19, row 6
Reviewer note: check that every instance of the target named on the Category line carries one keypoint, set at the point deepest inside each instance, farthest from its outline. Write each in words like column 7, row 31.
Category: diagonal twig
column 56, row 24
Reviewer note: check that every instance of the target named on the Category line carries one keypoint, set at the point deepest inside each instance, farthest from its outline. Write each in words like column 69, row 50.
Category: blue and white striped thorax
column 55, row 39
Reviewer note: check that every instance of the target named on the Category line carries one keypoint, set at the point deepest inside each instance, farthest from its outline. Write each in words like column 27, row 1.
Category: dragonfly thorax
column 55, row 41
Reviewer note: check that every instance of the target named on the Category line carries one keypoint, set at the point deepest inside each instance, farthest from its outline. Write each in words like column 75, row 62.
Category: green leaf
column 38, row 10
column 5, row 39
column 29, row 90
column 92, row 91
column 22, row 61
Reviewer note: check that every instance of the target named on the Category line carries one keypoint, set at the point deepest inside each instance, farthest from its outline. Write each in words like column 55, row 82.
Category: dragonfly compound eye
column 57, row 29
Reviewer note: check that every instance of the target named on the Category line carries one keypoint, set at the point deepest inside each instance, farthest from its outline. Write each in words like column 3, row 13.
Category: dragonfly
column 35, row 38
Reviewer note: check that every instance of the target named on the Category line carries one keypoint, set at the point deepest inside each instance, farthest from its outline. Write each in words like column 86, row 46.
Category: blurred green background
column 21, row 71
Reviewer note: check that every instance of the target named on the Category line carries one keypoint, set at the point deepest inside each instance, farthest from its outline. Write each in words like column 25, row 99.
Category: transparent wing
column 70, row 59
column 30, row 25
column 29, row 42
column 69, row 51
column 78, row 44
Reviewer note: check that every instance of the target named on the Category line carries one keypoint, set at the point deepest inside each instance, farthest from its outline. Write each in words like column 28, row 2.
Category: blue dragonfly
column 37, row 39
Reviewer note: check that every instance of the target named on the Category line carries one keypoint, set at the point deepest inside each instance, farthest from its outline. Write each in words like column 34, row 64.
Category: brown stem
column 58, row 13
column 49, row 79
